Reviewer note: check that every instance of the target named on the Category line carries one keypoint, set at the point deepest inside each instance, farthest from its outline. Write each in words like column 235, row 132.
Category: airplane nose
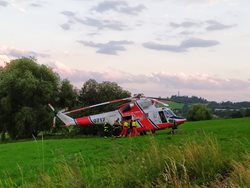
column 181, row 121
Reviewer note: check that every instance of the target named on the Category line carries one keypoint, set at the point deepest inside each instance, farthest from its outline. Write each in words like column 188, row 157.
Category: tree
column 26, row 89
column 185, row 109
column 67, row 95
column 247, row 112
column 93, row 92
column 236, row 114
column 89, row 93
column 199, row 112
column 2, row 125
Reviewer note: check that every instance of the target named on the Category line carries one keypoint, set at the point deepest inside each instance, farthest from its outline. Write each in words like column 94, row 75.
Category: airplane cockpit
column 167, row 115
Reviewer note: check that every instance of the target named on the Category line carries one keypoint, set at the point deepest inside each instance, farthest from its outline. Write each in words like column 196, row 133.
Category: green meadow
column 204, row 153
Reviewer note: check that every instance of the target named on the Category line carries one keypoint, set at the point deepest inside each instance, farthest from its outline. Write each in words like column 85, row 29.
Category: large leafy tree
column 93, row 92
column 26, row 89
column 199, row 112
column 2, row 126
column 90, row 93
column 68, row 94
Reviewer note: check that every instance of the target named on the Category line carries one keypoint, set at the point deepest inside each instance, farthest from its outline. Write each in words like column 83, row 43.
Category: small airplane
column 144, row 110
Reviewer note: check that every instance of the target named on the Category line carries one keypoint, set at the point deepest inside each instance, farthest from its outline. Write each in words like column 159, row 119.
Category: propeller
column 54, row 122
column 52, row 108
column 160, row 102
column 135, row 97
column 156, row 100
column 54, row 118
column 100, row 104
column 56, row 113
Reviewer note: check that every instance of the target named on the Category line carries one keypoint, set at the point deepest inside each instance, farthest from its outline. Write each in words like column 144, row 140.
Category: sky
column 155, row 47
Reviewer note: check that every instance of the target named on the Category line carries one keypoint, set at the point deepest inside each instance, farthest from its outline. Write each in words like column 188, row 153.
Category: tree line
column 26, row 89
column 194, row 104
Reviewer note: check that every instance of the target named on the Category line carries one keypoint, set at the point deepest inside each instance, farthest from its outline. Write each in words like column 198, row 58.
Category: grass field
column 27, row 161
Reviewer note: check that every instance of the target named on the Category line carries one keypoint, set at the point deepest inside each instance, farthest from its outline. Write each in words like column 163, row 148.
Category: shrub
column 199, row 112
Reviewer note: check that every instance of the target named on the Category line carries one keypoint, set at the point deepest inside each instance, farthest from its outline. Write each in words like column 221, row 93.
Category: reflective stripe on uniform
column 125, row 124
column 134, row 124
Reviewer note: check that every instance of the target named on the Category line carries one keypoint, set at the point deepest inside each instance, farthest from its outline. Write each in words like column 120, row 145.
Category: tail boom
column 68, row 121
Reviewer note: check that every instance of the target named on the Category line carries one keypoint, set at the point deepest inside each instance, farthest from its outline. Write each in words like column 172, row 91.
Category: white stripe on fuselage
column 108, row 117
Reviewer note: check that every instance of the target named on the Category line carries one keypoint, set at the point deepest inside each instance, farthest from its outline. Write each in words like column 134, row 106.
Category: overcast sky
column 155, row 47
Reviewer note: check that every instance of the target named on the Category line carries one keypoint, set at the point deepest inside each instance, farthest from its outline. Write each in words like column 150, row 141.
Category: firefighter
column 174, row 127
column 125, row 126
column 106, row 130
column 134, row 128
column 117, row 128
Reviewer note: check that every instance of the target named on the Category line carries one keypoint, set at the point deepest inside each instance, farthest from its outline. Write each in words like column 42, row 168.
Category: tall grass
column 195, row 164
column 191, row 165
column 240, row 177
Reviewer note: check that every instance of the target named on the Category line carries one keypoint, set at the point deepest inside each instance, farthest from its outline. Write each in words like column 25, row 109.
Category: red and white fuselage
column 143, row 111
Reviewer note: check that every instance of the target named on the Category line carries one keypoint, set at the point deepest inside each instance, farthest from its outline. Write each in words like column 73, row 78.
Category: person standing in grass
column 106, row 130
column 174, row 127
column 124, row 128
column 117, row 128
column 134, row 128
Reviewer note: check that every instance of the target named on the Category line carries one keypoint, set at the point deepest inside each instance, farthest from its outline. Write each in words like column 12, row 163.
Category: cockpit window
column 169, row 113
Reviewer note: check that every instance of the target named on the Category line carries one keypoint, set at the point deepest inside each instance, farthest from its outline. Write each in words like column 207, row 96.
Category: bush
column 199, row 112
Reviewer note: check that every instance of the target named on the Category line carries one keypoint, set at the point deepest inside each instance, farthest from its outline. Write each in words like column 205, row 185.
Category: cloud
column 66, row 26
column 78, row 76
column 215, row 25
column 4, row 59
column 208, row 25
column 183, row 46
column 198, row 43
column 111, row 47
column 163, row 83
column 187, row 33
column 22, row 53
column 37, row 5
column 118, row 6
column 102, row 24
column 163, row 47
column 68, row 13
column 3, row 3
column 185, row 24
column 92, row 22
column 208, row 2
column 198, row 82
column 24, row 5
column 16, row 53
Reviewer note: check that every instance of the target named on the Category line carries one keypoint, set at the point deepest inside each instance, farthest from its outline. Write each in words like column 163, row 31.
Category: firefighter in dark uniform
column 106, row 130
column 117, row 128
column 174, row 127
